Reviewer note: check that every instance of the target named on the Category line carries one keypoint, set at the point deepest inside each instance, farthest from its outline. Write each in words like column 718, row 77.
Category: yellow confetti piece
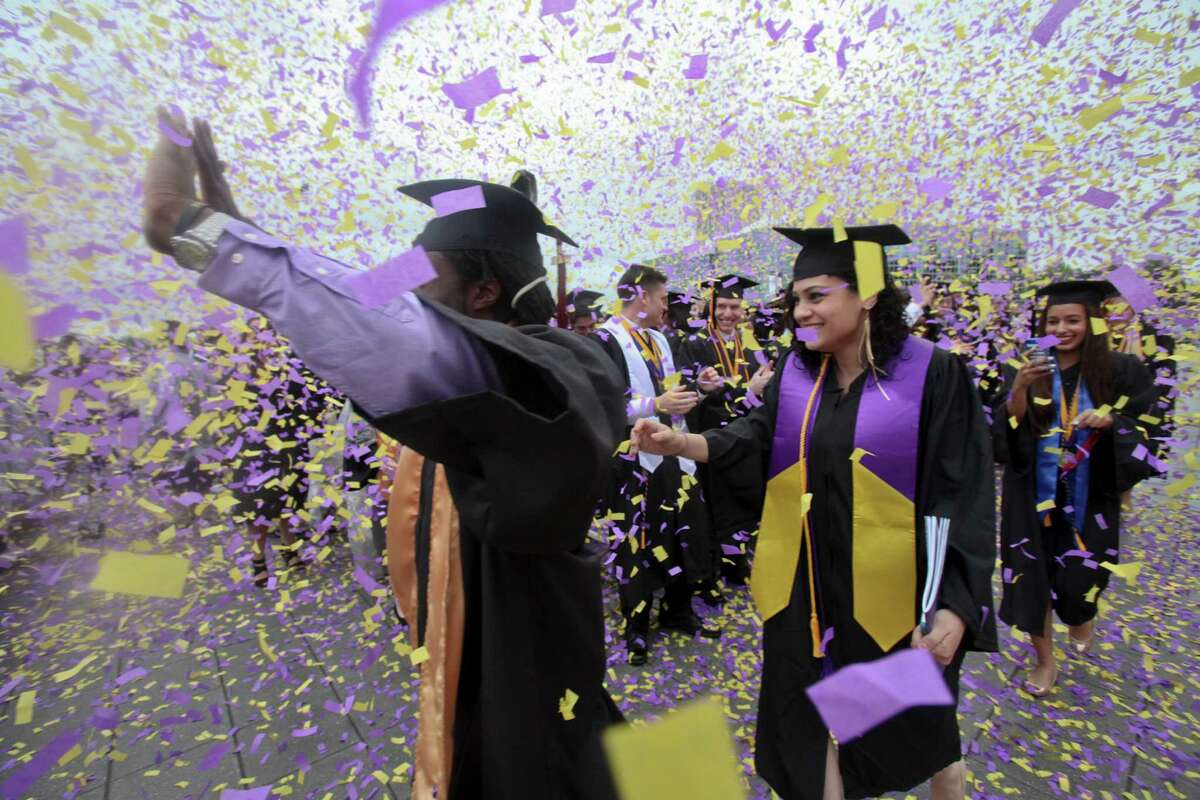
column 1045, row 505
column 813, row 211
column 858, row 454
column 1099, row 326
column 70, row 755
column 868, row 268
column 660, row 553
column 725, row 245
column 566, row 705
column 687, row 755
column 70, row 27
column 153, row 508
column 25, row 707
column 144, row 575
column 1180, row 486
column 884, row 211
column 1091, row 117
column 158, row 451
column 68, row 674
column 419, row 655
column 1128, row 571
column 1188, row 77
column 16, row 329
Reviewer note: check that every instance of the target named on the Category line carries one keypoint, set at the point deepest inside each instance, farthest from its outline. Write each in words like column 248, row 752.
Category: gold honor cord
column 778, row 550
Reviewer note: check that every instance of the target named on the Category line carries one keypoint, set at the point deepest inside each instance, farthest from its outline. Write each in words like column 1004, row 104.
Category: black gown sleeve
column 1131, row 442
column 956, row 481
column 528, row 462
column 739, row 453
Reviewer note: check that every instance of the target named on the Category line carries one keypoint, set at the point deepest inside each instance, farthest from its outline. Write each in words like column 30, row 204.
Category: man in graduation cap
column 656, row 516
column 507, row 433
column 862, row 434
column 677, row 322
column 742, row 372
column 583, row 311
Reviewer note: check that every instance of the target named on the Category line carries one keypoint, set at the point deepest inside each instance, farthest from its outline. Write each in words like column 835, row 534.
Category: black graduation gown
column 734, row 516
column 683, row 532
column 1031, row 554
column 526, row 466
column 954, row 480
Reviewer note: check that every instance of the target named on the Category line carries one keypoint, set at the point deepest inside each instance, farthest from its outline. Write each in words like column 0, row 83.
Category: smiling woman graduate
column 1067, row 432
column 863, row 431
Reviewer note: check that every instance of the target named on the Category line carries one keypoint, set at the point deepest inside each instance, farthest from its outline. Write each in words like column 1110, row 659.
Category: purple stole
column 886, row 441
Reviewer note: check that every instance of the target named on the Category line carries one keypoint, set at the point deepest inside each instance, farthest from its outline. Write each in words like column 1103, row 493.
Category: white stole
column 643, row 385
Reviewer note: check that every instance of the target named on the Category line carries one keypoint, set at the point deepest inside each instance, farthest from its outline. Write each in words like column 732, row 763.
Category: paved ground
column 308, row 687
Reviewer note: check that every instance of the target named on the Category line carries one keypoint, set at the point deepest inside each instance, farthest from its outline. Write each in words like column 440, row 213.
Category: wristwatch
column 194, row 247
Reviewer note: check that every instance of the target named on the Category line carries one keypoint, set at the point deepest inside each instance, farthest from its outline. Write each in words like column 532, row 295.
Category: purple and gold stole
column 884, row 469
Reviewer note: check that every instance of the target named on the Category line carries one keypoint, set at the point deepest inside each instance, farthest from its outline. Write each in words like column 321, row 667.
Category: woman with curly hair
column 864, row 431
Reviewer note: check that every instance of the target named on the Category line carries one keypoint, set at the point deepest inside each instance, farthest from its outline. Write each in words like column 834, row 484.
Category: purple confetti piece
column 1136, row 290
column 55, row 322
column 777, row 33
column 214, row 755
column 556, row 7
column 1102, row 522
column 369, row 584
column 810, row 38
column 603, row 58
column 1099, row 198
column 697, row 68
column 257, row 793
column 393, row 277
column 390, row 15
column 175, row 136
column 14, row 246
column 456, row 200
column 131, row 675
column 1162, row 203
column 857, row 698
column 877, row 19
column 475, row 90
column 1047, row 341
column 935, row 188
column 1045, row 30
column 1140, row 452
column 996, row 288
column 806, row 334
column 301, row 733
column 8, row 687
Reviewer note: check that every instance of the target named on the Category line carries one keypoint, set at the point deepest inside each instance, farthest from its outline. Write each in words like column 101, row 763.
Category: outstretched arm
column 387, row 358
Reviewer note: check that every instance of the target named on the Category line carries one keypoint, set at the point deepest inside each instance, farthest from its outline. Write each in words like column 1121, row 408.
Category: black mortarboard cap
column 582, row 301
column 821, row 255
column 1087, row 292
column 507, row 221
column 731, row 286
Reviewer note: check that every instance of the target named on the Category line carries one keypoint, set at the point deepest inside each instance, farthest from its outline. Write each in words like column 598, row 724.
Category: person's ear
column 482, row 296
column 870, row 302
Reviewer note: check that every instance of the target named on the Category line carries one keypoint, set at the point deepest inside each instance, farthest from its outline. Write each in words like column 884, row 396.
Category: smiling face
column 729, row 314
column 1069, row 322
column 650, row 306
column 827, row 305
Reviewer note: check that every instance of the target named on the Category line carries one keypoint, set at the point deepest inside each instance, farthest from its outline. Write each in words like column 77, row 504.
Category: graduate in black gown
column 1069, row 436
column 656, row 519
column 517, row 421
column 583, row 311
column 677, row 322
column 744, row 372
column 863, row 432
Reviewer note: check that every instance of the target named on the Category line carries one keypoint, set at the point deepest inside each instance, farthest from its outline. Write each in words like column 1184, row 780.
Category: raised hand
column 758, row 383
column 170, row 181
column 211, row 170
column 709, row 379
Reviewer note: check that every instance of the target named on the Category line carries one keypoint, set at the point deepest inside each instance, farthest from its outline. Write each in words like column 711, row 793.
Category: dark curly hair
column 535, row 307
column 889, row 329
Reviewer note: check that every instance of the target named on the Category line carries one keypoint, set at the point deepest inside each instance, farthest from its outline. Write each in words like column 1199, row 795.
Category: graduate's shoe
column 261, row 576
column 293, row 561
column 689, row 623
column 635, row 644
column 710, row 593
column 1082, row 645
column 1041, row 688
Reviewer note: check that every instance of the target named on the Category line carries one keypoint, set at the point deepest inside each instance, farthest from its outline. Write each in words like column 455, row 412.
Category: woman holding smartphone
column 1068, row 434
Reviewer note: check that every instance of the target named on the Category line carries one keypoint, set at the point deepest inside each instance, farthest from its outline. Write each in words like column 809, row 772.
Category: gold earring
column 866, row 344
